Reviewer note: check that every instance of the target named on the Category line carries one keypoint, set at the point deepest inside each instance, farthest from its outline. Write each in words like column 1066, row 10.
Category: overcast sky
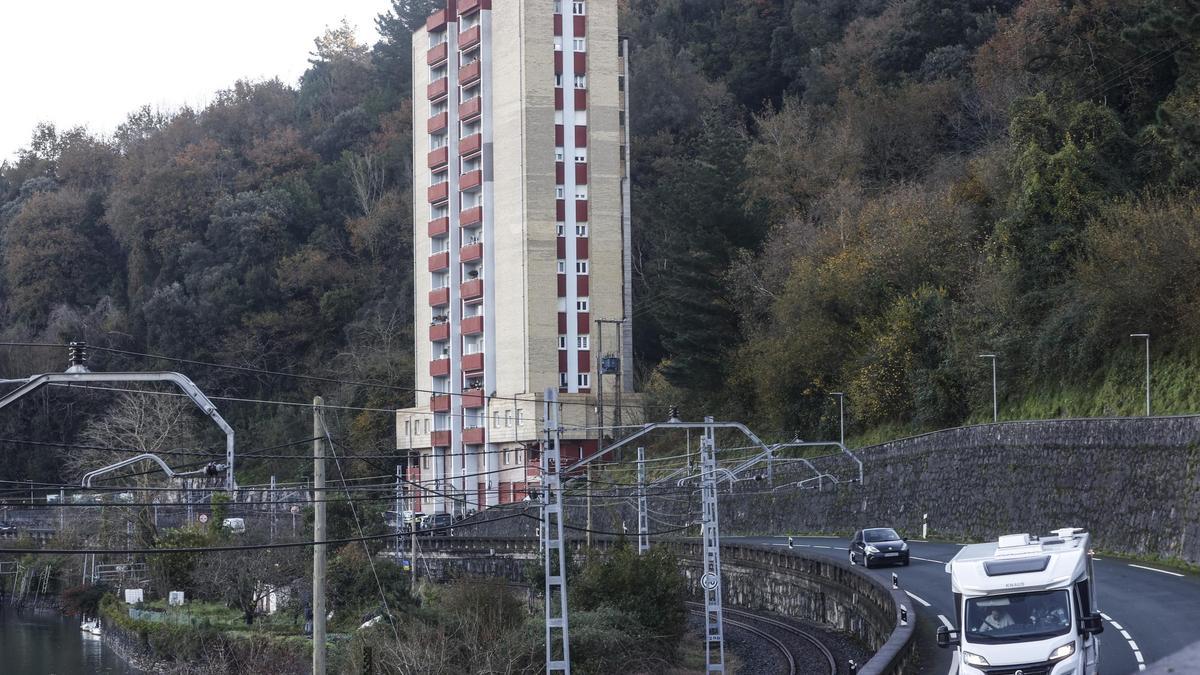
column 76, row 62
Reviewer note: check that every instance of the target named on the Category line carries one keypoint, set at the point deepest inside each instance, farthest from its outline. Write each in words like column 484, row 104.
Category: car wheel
column 866, row 562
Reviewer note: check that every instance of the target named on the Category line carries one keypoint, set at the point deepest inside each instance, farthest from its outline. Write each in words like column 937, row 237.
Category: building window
column 580, row 154
column 520, row 423
column 562, row 341
column 562, row 266
column 581, row 304
column 561, row 229
column 437, row 141
column 559, row 192
column 581, row 267
column 580, row 45
column 558, row 6
column 562, row 379
column 580, row 192
column 558, row 79
column 582, row 342
column 557, row 39
column 504, row 457
column 407, row 427
column 559, row 155
column 437, row 177
column 578, row 8
column 425, row 462
column 496, row 420
column 507, row 418
column 437, row 38
column 580, row 81
column 437, row 72
column 585, row 379
column 620, row 83
column 581, row 230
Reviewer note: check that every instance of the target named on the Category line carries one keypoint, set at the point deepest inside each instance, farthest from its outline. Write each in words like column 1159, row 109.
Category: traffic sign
column 709, row 581
column 204, row 517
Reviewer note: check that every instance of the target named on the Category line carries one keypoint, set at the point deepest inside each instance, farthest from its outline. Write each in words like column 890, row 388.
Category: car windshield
column 1018, row 617
column 880, row 534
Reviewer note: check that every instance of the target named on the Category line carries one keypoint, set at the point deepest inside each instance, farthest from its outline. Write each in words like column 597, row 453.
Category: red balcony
column 580, row 26
column 584, row 322
column 559, row 173
column 580, row 136
column 438, row 123
column 558, row 135
column 560, row 209
column 470, row 72
column 470, row 109
column 468, row 6
column 472, row 363
column 558, row 24
column 439, row 367
column 439, row 297
column 470, row 145
column 562, row 285
column 471, row 217
column 439, row 227
column 440, row 403
column 580, row 63
column 440, row 439
column 439, row 193
column 439, row 261
column 439, row 332
column 468, row 38
column 562, row 360
column 437, row 89
column 581, row 210
column 438, row 157
column 581, row 248
column 581, row 99
column 470, row 180
column 437, row 54
column 558, row 62
column 581, row 173
column 472, row 325
column 561, row 247
column 562, row 323
column 581, row 285
column 471, row 252
column 436, row 21
column 472, row 398
column 471, row 290
column 584, row 364
column 473, row 436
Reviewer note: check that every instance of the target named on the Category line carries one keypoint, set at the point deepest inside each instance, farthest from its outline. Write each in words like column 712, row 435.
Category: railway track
column 778, row 634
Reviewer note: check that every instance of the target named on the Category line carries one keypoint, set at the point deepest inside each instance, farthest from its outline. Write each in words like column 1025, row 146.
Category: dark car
column 878, row 545
column 438, row 524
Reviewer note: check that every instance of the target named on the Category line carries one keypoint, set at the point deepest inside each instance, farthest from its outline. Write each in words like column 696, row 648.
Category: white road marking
column 818, row 546
column 1137, row 651
column 1141, row 567
column 917, row 598
column 940, row 562
column 946, row 621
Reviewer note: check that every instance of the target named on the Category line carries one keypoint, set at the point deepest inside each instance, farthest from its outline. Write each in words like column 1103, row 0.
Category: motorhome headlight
column 974, row 659
column 1062, row 652
column 872, row 549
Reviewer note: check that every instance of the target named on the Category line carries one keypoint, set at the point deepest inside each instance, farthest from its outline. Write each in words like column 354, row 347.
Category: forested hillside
column 829, row 195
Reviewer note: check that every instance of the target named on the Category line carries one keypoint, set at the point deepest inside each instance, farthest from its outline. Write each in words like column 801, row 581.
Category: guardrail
column 784, row 581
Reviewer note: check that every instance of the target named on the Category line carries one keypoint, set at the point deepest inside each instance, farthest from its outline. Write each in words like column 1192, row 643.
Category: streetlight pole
column 841, row 397
column 1147, row 337
column 995, row 403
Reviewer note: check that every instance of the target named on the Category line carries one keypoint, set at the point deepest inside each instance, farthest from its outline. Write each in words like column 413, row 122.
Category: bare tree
column 244, row 579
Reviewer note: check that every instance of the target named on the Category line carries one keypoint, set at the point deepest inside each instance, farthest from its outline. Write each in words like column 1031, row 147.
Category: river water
column 46, row 643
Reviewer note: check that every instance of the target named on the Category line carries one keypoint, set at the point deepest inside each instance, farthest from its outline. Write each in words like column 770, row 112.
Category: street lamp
column 995, row 404
column 841, row 396
column 1147, row 336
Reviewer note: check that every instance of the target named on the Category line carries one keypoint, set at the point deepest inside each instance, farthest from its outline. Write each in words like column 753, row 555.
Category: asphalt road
column 1149, row 612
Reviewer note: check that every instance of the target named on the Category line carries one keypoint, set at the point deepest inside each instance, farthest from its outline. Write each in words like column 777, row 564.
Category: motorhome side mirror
column 946, row 637
column 1092, row 623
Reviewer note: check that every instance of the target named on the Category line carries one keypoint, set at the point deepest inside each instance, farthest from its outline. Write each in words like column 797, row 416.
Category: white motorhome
column 1025, row 605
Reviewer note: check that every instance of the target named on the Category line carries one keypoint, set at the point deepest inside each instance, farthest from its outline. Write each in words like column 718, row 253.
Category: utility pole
column 588, row 534
column 318, row 636
column 554, row 556
column 643, row 519
column 398, row 514
column 710, row 580
column 841, row 397
column 1147, row 337
column 274, row 508
column 995, row 401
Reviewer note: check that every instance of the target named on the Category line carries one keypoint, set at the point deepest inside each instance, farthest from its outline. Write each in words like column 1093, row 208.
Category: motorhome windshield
column 1018, row 617
column 880, row 534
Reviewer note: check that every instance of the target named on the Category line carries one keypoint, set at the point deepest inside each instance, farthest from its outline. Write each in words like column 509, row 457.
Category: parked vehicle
column 438, row 524
column 234, row 525
column 878, row 545
column 1025, row 604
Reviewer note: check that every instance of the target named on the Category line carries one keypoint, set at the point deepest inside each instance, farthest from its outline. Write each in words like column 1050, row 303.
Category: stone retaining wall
column 1134, row 483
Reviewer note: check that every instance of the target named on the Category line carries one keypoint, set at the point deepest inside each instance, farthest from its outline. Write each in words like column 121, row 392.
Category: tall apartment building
column 521, row 242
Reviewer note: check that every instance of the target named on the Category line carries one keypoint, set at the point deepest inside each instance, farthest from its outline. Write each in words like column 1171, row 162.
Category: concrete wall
column 785, row 582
